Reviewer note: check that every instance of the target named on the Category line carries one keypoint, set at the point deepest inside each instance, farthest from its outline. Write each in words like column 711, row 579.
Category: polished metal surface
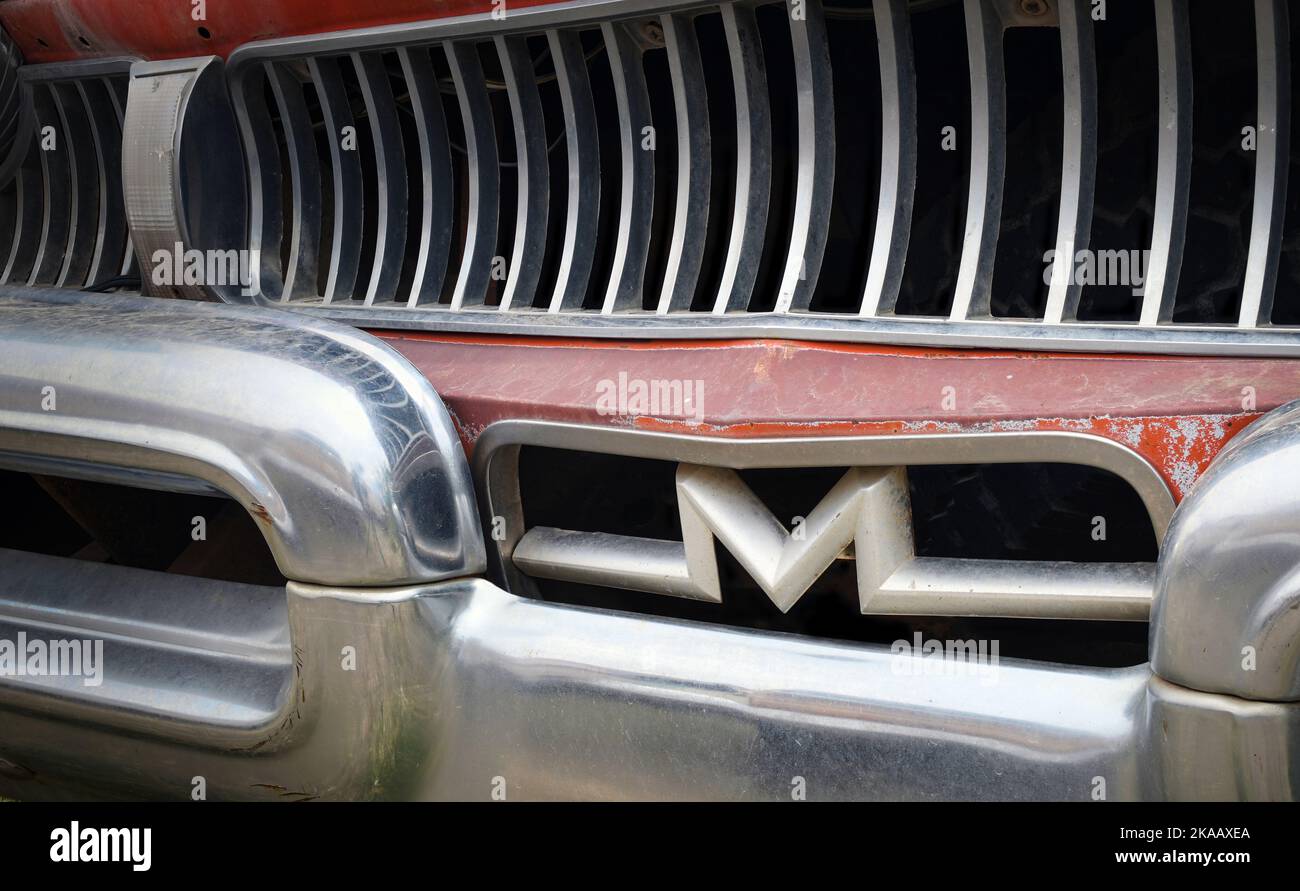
column 461, row 690
column 339, row 449
column 1227, row 600
column 1173, row 162
column 1078, row 158
column 897, row 158
column 988, row 161
column 868, row 507
column 1272, row 159
column 814, row 161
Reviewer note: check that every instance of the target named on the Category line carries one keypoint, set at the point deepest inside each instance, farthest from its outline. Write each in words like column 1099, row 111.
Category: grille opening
column 722, row 134
column 1127, row 131
column 1221, row 196
column 939, row 212
column 663, row 113
column 611, row 165
column 281, row 257
column 1287, row 311
column 557, row 152
column 778, row 56
column 1031, row 190
column 58, row 173
column 856, row 64
column 1003, row 512
column 125, row 526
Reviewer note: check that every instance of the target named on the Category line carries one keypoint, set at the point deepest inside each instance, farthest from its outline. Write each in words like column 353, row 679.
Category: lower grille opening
column 192, row 535
column 1017, row 512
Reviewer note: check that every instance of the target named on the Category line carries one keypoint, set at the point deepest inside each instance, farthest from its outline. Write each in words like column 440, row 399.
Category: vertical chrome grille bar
column 1078, row 157
column 437, row 189
column 390, row 176
column 694, row 164
column 987, row 161
column 582, row 205
column 57, row 195
column 345, row 173
column 636, row 189
column 753, row 159
column 265, row 212
column 484, row 175
column 533, row 170
column 1173, row 162
column 897, row 158
column 106, row 133
column 300, row 274
column 815, row 171
column 1272, row 156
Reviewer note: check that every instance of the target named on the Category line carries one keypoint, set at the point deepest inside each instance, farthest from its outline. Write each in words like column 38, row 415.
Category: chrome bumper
column 407, row 677
column 463, row 691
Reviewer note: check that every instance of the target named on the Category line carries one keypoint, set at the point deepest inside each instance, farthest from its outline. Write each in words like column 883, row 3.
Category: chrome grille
column 500, row 180
column 62, row 217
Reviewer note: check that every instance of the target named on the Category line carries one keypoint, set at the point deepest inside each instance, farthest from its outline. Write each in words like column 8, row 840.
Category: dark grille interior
column 62, row 216
column 988, row 512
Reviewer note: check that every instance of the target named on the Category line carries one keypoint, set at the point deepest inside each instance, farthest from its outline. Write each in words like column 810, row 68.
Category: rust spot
column 259, row 512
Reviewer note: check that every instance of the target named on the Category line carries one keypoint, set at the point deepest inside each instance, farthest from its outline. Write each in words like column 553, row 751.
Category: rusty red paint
column 58, row 30
column 1177, row 412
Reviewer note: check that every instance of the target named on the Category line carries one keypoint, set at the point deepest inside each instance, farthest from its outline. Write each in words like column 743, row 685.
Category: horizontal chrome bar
column 1195, row 340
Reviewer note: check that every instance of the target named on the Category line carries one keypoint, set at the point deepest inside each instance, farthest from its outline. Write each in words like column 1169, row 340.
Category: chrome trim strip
column 437, row 188
column 1078, row 158
column 305, row 182
column 390, row 177
column 988, row 158
column 694, row 165
column 753, row 159
column 815, row 159
column 897, row 159
column 1173, row 164
column 345, row 172
column 532, row 167
column 637, row 171
column 1272, row 159
column 484, row 179
column 582, row 148
column 1195, row 340
column 340, row 458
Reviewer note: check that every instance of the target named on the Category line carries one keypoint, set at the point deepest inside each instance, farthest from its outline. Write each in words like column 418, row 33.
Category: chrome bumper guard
column 448, row 687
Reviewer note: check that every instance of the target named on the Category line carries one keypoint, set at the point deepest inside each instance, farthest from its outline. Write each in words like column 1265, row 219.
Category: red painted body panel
column 1176, row 412
column 57, row 30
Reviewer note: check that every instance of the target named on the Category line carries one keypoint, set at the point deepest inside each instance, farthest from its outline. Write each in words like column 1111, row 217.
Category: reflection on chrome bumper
column 461, row 689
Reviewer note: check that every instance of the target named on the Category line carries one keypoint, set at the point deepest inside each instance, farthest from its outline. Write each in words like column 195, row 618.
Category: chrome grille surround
column 869, row 507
